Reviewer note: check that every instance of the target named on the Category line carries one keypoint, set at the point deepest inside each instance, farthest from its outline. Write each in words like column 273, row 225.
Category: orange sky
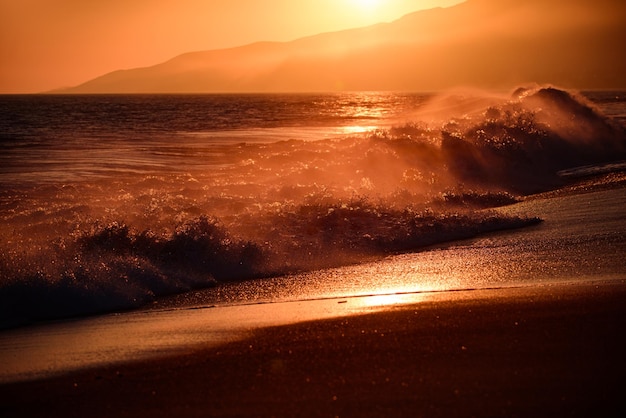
column 46, row 44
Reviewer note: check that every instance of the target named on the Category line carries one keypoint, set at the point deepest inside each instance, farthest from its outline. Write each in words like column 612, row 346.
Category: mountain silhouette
column 482, row 43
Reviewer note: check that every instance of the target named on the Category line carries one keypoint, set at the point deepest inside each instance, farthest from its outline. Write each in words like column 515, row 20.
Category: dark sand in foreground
column 547, row 351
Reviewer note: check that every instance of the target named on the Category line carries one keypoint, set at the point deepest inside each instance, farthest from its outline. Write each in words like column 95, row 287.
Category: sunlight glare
column 366, row 6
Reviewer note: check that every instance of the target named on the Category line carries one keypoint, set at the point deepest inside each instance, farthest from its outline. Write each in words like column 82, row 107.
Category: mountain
column 483, row 43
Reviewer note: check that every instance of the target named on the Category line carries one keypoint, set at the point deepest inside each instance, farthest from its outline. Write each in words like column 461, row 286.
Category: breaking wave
column 273, row 208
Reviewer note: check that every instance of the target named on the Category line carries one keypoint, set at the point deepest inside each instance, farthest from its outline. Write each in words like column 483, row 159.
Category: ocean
column 114, row 202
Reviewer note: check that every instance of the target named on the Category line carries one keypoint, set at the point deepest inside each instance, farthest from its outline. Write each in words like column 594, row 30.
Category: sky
column 48, row 44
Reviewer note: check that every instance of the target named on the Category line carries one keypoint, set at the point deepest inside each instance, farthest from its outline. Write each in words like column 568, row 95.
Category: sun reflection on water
column 357, row 129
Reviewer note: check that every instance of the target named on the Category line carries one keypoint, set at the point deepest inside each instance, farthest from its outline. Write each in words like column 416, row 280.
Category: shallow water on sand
column 582, row 236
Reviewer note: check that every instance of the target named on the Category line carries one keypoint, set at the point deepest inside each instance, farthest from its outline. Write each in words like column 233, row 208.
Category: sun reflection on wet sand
column 384, row 301
column 55, row 348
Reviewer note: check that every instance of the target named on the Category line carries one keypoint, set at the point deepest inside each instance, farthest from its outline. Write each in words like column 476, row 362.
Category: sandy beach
column 531, row 351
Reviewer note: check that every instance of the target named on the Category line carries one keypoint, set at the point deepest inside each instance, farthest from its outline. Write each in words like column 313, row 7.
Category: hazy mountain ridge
column 485, row 43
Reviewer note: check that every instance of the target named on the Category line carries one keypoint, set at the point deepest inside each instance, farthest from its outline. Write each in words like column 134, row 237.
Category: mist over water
column 111, row 201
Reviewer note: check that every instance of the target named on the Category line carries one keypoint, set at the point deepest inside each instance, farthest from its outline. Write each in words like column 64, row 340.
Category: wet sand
column 535, row 351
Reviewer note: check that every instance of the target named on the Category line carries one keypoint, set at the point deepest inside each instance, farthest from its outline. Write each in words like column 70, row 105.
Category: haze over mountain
column 482, row 43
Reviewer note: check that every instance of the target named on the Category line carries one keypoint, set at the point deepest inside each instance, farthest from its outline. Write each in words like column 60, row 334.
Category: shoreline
column 528, row 351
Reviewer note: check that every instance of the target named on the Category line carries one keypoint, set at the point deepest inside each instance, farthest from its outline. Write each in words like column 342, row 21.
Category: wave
column 269, row 209
column 112, row 267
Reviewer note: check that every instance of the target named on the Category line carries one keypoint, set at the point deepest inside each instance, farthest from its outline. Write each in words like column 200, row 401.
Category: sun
column 366, row 5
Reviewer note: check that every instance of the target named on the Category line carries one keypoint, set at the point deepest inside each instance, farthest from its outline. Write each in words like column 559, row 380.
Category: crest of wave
column 518, row 142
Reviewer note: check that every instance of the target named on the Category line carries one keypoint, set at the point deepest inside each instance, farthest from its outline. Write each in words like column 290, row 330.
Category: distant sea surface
column 112, row 201
column 85, row 136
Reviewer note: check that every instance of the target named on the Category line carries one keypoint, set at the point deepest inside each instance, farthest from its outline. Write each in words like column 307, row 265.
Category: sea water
column 112, row 202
